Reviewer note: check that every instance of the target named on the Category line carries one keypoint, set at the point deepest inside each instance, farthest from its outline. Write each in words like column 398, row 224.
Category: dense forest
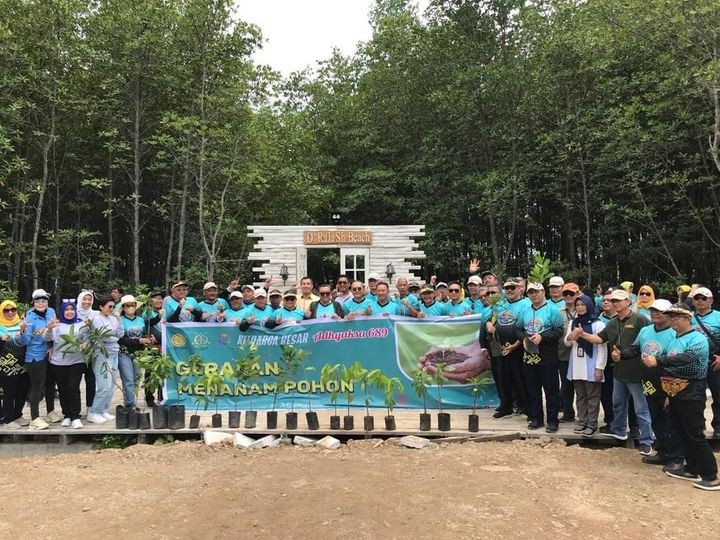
column 138, row 138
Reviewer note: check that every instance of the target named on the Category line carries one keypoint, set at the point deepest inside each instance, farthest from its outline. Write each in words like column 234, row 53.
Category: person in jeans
column 621, row 332
column 13, row 377
column 586, row 365
column 136, row 336
column 684, row 370
column 105, row 364
column 32, row 333
column 67, row 361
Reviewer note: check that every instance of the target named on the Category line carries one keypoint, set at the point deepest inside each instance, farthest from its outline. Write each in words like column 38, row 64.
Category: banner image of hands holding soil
column 397, row 346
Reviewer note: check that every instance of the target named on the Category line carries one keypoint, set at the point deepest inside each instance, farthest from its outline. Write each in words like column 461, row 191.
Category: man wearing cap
column 179, row 307
column 136, row 337
column 654, row 340
column 502, row 328
column 326, row 307
column 257, row 314
column 236, row 311
column 540, row 327
column 707, row 321
column 684, row 379
column 622, row 331
column 306, row 295
column 555, row 286
column 475, row 288
column 373, row 280
column 212, row 307
column 288, row 312
column 275, row 297
column 569, row 292
column 442, row 293
column 429, row 306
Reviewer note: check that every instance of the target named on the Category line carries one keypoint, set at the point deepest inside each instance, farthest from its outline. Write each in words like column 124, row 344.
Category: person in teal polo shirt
column 211, row 306
column 429, row 307
column 359, row 304
column 257, row 314
column 289, row 312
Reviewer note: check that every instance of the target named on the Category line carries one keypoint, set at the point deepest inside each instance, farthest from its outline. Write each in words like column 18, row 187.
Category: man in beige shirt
column 306, row 296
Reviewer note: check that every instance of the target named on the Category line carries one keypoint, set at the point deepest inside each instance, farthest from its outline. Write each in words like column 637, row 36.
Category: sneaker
column 580, row 428
column 12, row 425
column 108, row 416
column 635, row 432
column 654, row 459
column 645, row 449
column 607, row 431
column 501, row 414
column 53, row 417
column 22, row 421
column 708, row 485
column 520, row 411
column 39, row 423
column 96, row 418
column 566, row 419
column 535, row 424
column 66, row 422
column 552, row 427
column 77, row 424
column 589, row 432
column 681, row 473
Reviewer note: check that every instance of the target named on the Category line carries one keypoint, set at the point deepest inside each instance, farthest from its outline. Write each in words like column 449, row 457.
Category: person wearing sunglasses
column 359, row 304
column 288, row 312
column 707, row 321
column 342, row 289
column 457, row 306
column 429, row 306
column 326, row 307
column 645, row 299
column 502, row 327
column 622, row 331
column 14, row 379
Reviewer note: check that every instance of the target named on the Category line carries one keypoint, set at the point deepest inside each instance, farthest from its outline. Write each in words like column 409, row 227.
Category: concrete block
column 242, row 441
column 214, row 437
column 329, row 443
column 411, row 441
column 268, row 440
column 299, row 440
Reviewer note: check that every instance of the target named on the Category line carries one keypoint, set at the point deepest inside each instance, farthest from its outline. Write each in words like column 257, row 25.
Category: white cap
column 209, row 285
column 535, row 287
column 475, row 279
column 235, row 294
column 661, row 305
column 441, row 285
column 247, row 287
column 128, row 299
column 260, row 292
column 702, row 291
column 556, row 281
column 40, row 293
column 374, row 276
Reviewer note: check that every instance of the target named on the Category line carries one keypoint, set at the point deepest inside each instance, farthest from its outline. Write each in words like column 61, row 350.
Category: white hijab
column 84, row 314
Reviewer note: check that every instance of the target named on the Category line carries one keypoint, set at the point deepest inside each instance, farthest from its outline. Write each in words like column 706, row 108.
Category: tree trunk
column 41, row 199
column 137, row 178
column 110, row 224
column 183, row 214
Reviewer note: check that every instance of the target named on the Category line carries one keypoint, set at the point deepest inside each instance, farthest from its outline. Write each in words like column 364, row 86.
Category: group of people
column 647, row 361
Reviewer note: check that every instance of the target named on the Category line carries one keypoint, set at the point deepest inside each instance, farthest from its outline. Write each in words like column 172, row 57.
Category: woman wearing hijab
column 84, row 312
column 587, row 366
column 645, row 299
column 136, row 336
column 36, row 354
column 13, row 377
column 67, row 362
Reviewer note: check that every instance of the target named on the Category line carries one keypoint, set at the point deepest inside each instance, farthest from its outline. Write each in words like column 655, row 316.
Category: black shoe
column 520, row 412
column 501, row 414
column 654, row 459
column 579, row 429
column 607, row 431
column 552, row 427
column 645, row 450
column 535, row 424
column 635, row 432
column 566, row 419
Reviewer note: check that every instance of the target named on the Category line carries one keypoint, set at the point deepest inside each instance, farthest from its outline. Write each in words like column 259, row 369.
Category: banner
column 397, row 346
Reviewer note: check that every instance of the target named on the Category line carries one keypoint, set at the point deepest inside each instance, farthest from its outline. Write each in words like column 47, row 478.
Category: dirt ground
column 366, row 489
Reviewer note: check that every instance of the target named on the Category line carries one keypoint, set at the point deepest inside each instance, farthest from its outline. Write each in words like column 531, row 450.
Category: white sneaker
column 39, row 423
column 77, row 424
column 53, row 417
column 22, row 421
column 12, row 425
column 65, row 423
column 108, row 416
column 96, row 418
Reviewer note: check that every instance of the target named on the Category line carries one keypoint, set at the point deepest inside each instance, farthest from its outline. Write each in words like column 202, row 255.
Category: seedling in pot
column 476, row 389
column 290, row 361
column 421, row 379
column 157, row 368
column 247, row 368
column 439, row 379
column 390, row 386
column 368, row 379
column 328, row 374
column 349, row 376
column 311, row 416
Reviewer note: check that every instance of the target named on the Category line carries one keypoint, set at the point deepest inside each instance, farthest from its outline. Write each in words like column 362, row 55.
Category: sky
column 297, row 33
